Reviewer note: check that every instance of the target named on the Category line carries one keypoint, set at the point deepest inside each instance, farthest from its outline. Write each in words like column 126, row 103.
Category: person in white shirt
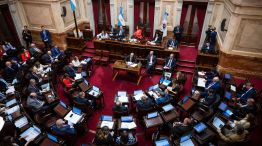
column 76, row 62
column 103, row 35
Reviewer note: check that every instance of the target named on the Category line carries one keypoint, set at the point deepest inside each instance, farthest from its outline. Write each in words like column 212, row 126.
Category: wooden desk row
column 118, row 50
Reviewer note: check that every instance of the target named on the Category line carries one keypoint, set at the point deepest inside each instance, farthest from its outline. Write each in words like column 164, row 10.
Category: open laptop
column 121, row 94
column 228, row 113
column 186, row 140
column 218, row 123
column 138, row 92
column 227, row 76
column 154, row 87
column 21, row 122
column 168, row 107
column 10, row 102
column 53, row 138
column 200, row 127
column 152, row 115
column 185, row 137
column 95, row 91
column 31, row 133
column 106, row 118
column 76, row 110
column 228, row 95
column 222, row 106
column 162, row 142
column 184, row 100
column 127, row 119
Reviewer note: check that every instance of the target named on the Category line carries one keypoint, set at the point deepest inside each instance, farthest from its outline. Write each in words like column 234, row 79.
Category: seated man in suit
column 121, row 34
column 34, row 102
column 248, row 91
column 144, row 103
column 118, row 107
column 179, row 129
column 163, row 98
column 157, row 38
column 207, row 48
column 34, row 51
column 214, row 84
column 82, row 99
column 62, row 128
column 33, row 88
column 131, row 58
column 9, row 72
column 170, row 63
column 35, row 76
column 151, row 61
column 55, row 51
column 209, row 99
column 69, row 69
column 249, row 107
column 172, row 44
column 47, row 58
column 15, row 65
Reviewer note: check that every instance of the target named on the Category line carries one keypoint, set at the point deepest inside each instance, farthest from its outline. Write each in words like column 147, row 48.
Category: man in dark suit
column 46, row 37
column 15, row 65
column 55, row 52
column 70, row 70
column 81, row 98
column 179, row 129
column 118, row 107
column 27, row 36
column 209, row 99
column 207, row 48
column 9, row 72
column 32, row 87
column 214, row 84
column 172, row 43
column 249, row 107
column 213, row 37
column 34, row 101
column 151, row 62
column 178, row 30
column 157, row 38
column 47, row 58
column 121, row 33
column 248, row 91
column 144, row 103
column 131, row 58
column 34, row 51
column 170, row 63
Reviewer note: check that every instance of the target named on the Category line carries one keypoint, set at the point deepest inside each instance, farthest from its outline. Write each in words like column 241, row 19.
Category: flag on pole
column 164, row 24
column 121, row 20
column 73, row 5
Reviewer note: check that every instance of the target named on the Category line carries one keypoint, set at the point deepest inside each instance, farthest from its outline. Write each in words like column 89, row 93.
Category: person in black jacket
column 150, row 62
column 103, row 137
column 118, row 107
column 27, row 36
column 179, row 129
column 144, row 103
column 157, row 38
column 9, row 72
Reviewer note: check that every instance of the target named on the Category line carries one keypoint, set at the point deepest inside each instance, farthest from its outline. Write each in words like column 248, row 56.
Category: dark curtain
column 183, row 15
column 136, row 13
column 151, row 17
column 201, row 12
column 107, row 10
column 10, row 24
column 96, row 13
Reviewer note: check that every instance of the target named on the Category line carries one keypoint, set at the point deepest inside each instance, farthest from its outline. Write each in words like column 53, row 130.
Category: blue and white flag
column 121, row 20
column 164, row 24
column 73, row 5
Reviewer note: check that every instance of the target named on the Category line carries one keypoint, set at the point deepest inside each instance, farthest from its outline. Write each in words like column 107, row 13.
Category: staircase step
column 90, row 44
column 188, row 61
column 186, row 65
column 185, row 69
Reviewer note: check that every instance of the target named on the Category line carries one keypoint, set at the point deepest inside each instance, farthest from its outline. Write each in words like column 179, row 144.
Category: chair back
column 160, row 61
column 85, row 108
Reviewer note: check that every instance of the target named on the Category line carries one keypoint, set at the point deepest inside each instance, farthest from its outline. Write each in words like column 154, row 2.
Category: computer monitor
column 162, row 142
column 152, row 115
column 127, row 118
column 106, row 118
column 138, row 92
column 52, row 137
column 185, row 138
column 227, row 76
column 228, row 113
column 218, row 123
column 168, row 107
column 222, row 106
column 228, row 95
column 11, row 102
column 63, row 104
column 77, row 110
column 95, row 88
column 200, row 127
column 122, row 93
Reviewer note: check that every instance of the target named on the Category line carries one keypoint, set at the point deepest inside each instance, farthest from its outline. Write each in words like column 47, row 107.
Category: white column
column 208, row 15
column 178, row 12
column 112, row 12
column 157, row 15
column 91, row 15
column 130, row 16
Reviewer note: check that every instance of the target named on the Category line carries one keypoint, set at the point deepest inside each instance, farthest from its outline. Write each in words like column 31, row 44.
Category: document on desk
column 109, row 124
column 233, row 88
column 30, row 133
column 138, row 96
column 10, row 90
column 123, row 99
column 201, row 82
column 78, row 76
column 12, row 110
column 128, row 125
column 21, row 122
column 201, row 73
column 73, row 118
column 133, row 65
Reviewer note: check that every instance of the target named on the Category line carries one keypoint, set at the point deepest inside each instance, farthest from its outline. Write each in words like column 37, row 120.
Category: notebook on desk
column 168, row 107
column 78, row 76
column 95, row 91
column 162, row 142
column 73, row 117
column 10, row 102
column 200, row 127
column 21, row 122
column 152, row 115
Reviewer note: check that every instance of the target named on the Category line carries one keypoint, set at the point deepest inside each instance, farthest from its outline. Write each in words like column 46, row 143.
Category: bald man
column 131, row 58
column 34, row 102
column 215, row 84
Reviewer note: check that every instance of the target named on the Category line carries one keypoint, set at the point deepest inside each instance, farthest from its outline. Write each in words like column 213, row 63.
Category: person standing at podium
column 131, row 58
column 151, row 61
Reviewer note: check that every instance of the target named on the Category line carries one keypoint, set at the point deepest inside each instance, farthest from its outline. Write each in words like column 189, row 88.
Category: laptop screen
column 227, row 76
column 21, row 122
column 222, row 106
column 127, row 118
column 217, row 122
column 63, row 104
column 200, row 127
column 228, row 95
column 185, row 138
column 168, row 107
column 95, row 88
column 77, row 110
column 228, row 113
column 36, row 128
column 152, row 115
column 106, row 118
column 153, row 87
column 52, row 137
column 11, row 102
column 162, row 142
column 138, row 92
column 122, row 94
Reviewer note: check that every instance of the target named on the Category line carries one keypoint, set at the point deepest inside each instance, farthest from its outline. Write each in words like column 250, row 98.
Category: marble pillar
column 112, row 12
column 157, row 15
column 91, row 15
column 178, row 12
column 130, row 16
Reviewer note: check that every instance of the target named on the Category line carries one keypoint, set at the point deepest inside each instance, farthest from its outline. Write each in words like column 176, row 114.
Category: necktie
column 151, row 59
column 169, row 63
column 130, row 59
column 210, row 85
column 172, row 44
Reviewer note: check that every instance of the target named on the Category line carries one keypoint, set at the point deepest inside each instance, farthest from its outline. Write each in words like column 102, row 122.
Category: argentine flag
column 73, row 5
column 121, row 21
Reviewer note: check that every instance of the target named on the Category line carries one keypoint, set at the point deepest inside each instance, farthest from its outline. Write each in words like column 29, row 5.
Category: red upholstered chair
column 98, row 56
column 105, row 57
column 160, row 64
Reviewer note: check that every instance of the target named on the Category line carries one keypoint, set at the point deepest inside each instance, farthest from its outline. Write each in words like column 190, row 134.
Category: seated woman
column 25, row 56
column 103, row 137
column 180, row 78
column 62, row 128
column 68, row 82
column 126, row 138
column 176, row 87
column 138, row 34
column 247, row 122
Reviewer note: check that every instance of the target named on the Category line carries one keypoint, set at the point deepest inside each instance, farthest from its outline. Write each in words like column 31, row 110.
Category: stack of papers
column 201, row 82
column 128, row 125
column 30, row 133
column 12, row 110
column 109, row 124
column 72, row 117
column 10, row 90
